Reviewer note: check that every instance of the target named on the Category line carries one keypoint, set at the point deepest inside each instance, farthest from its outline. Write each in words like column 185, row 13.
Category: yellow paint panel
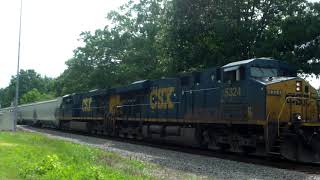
column 279, row 109
column 86, row 104
column 114, row 101
column 160, row 98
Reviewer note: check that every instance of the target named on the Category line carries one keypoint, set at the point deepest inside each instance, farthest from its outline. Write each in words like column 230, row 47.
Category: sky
column 50, row 33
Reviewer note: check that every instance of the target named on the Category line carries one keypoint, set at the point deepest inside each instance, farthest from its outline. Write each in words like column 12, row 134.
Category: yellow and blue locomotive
column 257, row 106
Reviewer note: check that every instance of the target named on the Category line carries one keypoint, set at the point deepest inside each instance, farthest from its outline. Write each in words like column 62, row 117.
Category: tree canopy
column 155, row 38
column 30, row 82
column 34, row 95
column 150, row 39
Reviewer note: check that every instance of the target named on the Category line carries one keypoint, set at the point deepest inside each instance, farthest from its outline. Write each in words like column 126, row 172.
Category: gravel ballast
column 178, row 165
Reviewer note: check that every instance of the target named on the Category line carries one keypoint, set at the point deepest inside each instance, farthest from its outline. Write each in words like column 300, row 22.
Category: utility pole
column 17, row 79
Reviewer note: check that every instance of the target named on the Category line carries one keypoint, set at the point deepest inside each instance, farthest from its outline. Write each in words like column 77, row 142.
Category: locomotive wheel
column 109, row 124
column 202, row 137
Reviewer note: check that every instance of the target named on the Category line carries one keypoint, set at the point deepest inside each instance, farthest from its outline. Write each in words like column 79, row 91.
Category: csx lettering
column 86, row 104
column 236, row 91
column 161, row 98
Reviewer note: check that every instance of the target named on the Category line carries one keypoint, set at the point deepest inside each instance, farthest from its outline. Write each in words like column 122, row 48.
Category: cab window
column 68, row 101
column 234, row 74
column 230, row 76
column 263, row 72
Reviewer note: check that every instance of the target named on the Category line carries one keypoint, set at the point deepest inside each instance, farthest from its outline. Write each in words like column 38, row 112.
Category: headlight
column 299, row 117
column 298, row 86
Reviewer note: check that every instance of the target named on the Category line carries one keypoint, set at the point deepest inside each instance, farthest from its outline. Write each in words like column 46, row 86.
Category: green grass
column 25, row 155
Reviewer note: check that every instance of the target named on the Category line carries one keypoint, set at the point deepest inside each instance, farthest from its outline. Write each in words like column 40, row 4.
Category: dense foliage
column 33, row 96
column 154, row 38
column 32, row 88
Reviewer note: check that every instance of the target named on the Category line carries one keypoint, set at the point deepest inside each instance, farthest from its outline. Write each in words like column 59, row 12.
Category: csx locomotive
column 256, row 106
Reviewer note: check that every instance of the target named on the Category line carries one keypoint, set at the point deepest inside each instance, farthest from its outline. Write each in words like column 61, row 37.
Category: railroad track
column 274, row 162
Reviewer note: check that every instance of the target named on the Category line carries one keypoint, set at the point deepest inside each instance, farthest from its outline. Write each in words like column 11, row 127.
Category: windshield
column 263, row 72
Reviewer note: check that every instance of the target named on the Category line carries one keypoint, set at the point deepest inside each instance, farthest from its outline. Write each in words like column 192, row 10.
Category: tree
column 126, row 51
column 33, row 96
column 154, row 38
column 206, row 33
column 7, row 96
column 28, row 80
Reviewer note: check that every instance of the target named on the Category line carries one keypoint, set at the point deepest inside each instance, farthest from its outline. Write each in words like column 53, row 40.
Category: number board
column 232, row 92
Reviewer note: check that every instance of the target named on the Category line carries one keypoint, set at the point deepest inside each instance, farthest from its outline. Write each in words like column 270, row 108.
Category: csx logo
column 234, row 91
column 86, row 104
column 161, row 98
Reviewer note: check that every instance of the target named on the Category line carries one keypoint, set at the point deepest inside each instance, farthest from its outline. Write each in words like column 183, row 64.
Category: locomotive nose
column 292, row 105
column 291, row 101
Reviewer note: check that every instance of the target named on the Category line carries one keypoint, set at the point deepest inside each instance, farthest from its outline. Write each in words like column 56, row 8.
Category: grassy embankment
column 26, row 155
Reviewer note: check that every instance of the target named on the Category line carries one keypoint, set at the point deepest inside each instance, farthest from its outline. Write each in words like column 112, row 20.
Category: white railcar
column 40, row 113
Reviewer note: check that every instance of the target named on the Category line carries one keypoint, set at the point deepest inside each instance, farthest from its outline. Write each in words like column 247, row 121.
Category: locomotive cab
column 244, row 88
column 267, row 96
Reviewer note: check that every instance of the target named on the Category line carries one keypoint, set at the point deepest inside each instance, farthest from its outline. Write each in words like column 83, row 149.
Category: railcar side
column 40, row 113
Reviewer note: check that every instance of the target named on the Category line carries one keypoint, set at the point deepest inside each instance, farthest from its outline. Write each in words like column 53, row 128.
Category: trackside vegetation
column 25, row 155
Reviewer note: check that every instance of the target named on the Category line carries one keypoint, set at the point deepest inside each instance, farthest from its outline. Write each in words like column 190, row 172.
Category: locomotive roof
column 263, row 62
column 248, row 61
column 94, row 92
column 138, row 85
column 238, row 63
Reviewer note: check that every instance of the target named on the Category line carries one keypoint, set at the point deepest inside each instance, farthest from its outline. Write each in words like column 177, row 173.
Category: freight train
column 257, row 106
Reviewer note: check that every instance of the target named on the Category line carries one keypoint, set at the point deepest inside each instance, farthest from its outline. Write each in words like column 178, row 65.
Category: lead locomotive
column 257, row 106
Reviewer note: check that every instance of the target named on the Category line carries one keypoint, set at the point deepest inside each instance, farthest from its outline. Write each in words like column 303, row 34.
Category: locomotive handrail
column 99, row 107
column 267, row 132
column 197, row 90
column 130, row 105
